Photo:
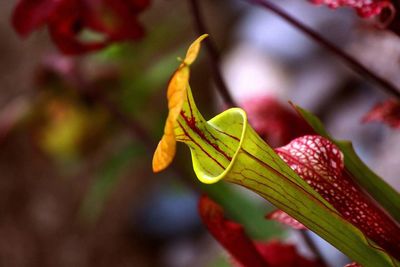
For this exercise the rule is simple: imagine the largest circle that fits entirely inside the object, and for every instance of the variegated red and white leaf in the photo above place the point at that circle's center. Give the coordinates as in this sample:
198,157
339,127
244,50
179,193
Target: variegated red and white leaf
284,218
320,163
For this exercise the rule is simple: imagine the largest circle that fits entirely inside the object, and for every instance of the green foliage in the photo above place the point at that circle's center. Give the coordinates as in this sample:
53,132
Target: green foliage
106,180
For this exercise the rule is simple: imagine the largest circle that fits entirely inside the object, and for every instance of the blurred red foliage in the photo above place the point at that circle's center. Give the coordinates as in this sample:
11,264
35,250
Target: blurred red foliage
387,112
364,8
274,122
232,237
113,20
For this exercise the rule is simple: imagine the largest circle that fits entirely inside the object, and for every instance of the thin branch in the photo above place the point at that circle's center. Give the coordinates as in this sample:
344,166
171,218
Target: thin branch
213,54
348,59
313,247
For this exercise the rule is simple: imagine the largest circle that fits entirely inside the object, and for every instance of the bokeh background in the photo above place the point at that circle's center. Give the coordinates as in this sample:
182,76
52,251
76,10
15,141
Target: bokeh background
76,186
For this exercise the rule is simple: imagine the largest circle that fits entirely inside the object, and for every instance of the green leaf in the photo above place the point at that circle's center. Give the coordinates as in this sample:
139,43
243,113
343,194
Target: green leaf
382,192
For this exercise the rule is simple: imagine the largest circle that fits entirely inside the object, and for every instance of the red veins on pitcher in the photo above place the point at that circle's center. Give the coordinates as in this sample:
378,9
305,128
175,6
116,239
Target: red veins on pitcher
320,163
66,20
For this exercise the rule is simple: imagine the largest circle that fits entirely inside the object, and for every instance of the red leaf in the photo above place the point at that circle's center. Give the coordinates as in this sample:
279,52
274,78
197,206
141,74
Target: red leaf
394,24
138,5
387,11
364,8
65,26
283,255
116,20
387,112
320,163
353,264
29,15
229,234
275,123
245,253
283,217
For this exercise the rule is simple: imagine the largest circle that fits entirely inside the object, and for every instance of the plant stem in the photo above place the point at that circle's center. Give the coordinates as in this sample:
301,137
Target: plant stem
313,247
213,54
348,59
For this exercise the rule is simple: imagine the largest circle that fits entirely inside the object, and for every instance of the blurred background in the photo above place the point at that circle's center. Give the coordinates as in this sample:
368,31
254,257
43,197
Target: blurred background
77,133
